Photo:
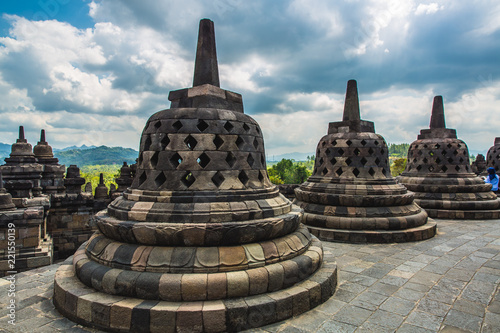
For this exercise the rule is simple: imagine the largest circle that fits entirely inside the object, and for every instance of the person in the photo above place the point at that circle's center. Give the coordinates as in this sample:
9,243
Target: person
492,179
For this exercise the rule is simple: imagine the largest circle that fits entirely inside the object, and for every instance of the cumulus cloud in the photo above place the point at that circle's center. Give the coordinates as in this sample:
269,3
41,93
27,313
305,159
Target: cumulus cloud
289,60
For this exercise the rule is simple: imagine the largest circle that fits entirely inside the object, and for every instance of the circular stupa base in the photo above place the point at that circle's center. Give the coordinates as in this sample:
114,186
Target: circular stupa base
419,233
463,214
90,307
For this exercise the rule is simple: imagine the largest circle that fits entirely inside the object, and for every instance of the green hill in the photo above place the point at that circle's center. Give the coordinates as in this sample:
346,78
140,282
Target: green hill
99,155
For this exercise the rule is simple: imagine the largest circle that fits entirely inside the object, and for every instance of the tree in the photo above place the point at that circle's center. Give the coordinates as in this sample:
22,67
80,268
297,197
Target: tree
288,172
398,166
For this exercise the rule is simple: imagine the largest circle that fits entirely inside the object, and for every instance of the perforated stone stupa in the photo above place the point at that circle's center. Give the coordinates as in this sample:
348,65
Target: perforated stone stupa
351,195
439,173
493,156
201,241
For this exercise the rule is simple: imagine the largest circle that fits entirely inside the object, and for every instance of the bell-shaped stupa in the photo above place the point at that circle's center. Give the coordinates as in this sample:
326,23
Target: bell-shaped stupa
52,181
438,171
493,156
201,240
351,195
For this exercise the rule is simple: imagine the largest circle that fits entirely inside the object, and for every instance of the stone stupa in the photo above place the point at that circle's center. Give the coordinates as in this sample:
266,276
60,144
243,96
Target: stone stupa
52,181
493,156
201,241
351,196
439,173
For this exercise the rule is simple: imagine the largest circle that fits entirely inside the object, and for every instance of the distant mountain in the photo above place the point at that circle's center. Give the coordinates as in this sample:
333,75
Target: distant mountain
97,155
290,156
82,147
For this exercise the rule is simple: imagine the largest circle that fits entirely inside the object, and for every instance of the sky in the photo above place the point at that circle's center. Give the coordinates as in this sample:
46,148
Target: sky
92,72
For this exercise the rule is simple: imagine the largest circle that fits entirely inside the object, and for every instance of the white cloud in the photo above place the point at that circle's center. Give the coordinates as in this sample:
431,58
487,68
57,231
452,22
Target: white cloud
428,9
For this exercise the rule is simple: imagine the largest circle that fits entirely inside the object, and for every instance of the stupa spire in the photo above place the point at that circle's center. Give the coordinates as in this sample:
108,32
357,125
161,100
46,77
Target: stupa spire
21,133
42,136
351,105
206,70
437,116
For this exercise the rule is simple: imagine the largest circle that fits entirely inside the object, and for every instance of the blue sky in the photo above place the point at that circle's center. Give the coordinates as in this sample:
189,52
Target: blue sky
92,72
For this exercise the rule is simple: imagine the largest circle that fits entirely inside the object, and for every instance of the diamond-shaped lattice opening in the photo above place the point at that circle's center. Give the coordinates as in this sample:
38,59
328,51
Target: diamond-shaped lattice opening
438,160
240,142
450,160
261,177
376,143
202,125
218,141
457,168
203,160
370,151
257,129
246,128
160,179
333,160
437,146
426,160
363,142
357,152
243,177
324,172
371,172
341,151
190,142
382,151
459,145
147,143
262,160
377,161
384,171
321,160
327,151
218,179
323,143
164,142
230,159
461,160
355,172
339,171
449,145
431,168
348,142
419,153
142,178
176,159
419,167
154,159
140,158
255,143
363,161
416,146
455,152
250,160
443,152
348,161
444,168
158,124
334,142
228,126
177,125
431,153
188,179
414,160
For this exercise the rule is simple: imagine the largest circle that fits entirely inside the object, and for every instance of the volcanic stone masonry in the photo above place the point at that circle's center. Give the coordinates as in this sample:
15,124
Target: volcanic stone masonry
493,156
201,241
439,173
351,196
32,248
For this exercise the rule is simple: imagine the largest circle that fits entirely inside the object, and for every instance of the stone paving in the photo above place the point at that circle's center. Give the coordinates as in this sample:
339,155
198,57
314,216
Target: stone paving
445,284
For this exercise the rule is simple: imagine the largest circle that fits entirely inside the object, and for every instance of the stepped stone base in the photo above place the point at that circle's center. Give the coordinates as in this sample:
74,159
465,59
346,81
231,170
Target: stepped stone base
463,214
419,233
90,307
29,258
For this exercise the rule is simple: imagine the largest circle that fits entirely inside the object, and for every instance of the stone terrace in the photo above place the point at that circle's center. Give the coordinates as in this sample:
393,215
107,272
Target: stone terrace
448,283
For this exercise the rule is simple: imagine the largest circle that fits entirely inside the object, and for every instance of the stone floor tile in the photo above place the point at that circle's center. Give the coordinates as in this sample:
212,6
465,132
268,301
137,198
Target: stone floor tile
386,319
352,315
491,323
368,327
460,274
397,305
364,280
425,320
384,288
407,328
333,326
469,307
451,329
434,307
463,320
310,320
331,306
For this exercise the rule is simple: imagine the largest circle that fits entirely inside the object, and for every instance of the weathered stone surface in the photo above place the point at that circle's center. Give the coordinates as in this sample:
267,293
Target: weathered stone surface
351,195
439,173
